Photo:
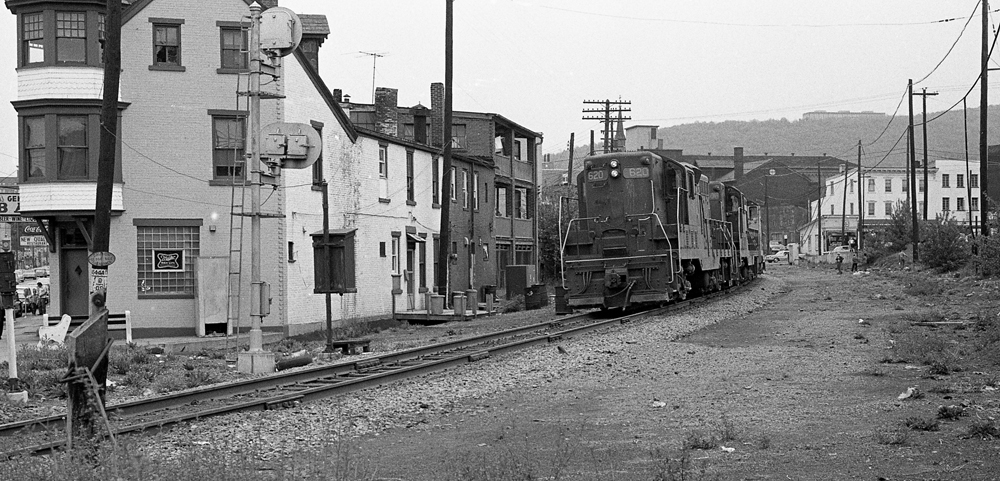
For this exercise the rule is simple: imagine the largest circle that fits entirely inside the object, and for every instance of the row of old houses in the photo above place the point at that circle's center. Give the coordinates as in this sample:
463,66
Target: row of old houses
180,174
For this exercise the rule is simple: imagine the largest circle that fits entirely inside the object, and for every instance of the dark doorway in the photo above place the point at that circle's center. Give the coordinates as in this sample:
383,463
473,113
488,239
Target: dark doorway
74,285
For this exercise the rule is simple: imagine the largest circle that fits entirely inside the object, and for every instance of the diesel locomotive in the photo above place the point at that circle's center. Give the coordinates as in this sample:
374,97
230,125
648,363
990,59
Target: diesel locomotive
651,230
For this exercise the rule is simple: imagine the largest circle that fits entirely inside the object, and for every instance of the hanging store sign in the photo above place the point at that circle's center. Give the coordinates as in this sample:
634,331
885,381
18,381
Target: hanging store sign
33,241
168,260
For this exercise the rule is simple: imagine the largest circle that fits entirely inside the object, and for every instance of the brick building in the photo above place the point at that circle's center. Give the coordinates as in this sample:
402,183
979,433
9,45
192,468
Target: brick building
495,162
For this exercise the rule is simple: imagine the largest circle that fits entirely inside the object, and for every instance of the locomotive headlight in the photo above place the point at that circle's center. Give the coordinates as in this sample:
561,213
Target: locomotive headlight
614,163
614,174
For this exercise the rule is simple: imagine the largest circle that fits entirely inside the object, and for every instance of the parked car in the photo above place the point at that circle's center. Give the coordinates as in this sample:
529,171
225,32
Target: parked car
28,274
20,275
42,271
841,250
779,256
25,301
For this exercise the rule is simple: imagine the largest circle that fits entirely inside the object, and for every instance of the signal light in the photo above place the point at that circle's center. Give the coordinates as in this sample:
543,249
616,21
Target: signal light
614,174
614,163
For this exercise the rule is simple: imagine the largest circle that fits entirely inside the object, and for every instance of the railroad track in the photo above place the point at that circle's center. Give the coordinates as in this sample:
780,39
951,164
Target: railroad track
310,384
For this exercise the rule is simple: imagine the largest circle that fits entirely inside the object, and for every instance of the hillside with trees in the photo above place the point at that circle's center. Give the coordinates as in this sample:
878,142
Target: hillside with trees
834,137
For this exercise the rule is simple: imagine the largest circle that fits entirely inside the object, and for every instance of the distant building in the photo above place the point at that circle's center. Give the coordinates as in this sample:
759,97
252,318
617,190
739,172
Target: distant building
952,191
841,114
642,137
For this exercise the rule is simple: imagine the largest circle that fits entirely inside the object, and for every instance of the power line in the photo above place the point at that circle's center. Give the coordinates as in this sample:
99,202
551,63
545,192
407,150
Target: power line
952,45
761,25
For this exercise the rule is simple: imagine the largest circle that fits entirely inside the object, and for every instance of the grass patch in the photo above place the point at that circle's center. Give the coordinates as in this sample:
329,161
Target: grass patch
984,429
951,413
930,348
893,437
922,424
330,461
699,440
666,468
514,304
873,372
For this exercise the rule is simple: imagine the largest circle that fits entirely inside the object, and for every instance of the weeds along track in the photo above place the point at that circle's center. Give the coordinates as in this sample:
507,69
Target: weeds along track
43,435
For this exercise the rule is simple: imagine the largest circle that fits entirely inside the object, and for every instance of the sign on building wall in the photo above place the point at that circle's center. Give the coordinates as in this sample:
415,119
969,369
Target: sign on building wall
168,260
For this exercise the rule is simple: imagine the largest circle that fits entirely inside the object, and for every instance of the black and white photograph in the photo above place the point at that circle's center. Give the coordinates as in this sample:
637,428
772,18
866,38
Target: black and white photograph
483,240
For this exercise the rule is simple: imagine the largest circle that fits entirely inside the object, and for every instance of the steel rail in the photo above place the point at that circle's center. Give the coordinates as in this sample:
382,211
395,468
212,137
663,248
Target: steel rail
279,380
404,365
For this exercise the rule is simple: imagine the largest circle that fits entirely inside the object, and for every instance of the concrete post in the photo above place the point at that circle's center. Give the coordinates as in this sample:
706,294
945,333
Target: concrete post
14,395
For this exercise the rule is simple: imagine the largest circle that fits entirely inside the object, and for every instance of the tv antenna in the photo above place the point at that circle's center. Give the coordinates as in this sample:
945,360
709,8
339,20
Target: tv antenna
375,56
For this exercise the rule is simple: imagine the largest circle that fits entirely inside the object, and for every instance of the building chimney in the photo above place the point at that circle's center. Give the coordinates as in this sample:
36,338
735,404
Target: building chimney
420,124
437,114
386,112
347,98
738,164
338,95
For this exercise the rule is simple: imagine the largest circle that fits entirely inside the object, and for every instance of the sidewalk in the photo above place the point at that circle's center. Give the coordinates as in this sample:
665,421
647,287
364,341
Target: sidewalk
26,332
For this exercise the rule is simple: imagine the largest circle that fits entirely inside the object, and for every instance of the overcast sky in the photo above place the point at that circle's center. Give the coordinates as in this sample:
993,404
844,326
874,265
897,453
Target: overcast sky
677,61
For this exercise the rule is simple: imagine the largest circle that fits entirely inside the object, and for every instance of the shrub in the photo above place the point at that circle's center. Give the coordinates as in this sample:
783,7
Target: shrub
944,243
514,304
894,437
700,440
987,248
201,377
985,429
918,424
951,413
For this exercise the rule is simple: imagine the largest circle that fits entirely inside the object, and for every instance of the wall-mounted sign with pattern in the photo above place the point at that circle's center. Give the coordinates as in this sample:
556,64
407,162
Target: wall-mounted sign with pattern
168,260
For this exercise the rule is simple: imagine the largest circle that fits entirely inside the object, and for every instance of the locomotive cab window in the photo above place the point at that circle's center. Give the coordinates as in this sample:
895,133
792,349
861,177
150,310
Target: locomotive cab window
670,185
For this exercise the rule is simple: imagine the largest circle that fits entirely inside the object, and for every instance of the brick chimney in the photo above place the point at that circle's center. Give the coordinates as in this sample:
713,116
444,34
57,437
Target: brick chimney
386,112
338,95
437,114
420,124
738,164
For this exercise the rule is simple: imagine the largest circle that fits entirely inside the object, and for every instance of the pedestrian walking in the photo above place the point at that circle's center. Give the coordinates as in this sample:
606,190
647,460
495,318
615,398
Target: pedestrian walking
840,264
854,262
902,259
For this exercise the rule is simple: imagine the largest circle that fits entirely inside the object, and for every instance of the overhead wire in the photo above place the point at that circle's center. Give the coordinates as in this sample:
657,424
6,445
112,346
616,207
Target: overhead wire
960,34
765,25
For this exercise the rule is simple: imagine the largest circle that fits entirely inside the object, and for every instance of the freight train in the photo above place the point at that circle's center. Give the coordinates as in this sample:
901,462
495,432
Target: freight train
650,230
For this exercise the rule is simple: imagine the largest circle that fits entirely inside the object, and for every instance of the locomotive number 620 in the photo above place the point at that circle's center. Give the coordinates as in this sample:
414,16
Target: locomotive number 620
596,176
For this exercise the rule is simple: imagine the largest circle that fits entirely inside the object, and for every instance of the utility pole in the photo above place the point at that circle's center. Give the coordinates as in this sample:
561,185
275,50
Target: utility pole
984,153
444,237
591,142
609,107
819,206
968,174
843,210
924,94
861,213
101,259
375,56
767,207
911,168
569,169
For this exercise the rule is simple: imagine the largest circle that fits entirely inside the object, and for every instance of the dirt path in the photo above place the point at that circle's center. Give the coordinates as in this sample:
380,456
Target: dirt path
792,390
